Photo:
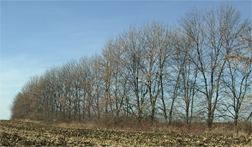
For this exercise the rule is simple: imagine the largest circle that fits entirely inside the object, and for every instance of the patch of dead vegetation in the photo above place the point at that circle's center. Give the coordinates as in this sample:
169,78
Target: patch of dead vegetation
27,132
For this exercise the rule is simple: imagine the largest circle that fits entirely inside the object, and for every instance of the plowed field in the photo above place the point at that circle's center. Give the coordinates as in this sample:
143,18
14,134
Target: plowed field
17,132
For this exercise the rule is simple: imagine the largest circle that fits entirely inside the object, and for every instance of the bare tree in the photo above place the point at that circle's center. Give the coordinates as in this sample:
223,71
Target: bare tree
146,70
98,85
156,51
188,74
238,83
133,63
212,34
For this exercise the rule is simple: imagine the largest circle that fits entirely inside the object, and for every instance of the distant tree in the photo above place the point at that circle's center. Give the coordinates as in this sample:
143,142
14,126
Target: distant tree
186,71
188,74
87,86
211,32
17,108
238,83
26,102
133,63
155,53
98,86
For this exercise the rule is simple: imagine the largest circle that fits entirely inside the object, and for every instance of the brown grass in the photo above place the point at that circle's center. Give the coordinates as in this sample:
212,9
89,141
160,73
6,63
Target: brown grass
30,132
195,128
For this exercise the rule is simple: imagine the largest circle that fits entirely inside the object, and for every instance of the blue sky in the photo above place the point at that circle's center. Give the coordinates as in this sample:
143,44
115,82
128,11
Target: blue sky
36,35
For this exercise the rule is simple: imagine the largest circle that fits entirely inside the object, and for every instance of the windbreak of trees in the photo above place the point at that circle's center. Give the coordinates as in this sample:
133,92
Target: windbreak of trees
197,71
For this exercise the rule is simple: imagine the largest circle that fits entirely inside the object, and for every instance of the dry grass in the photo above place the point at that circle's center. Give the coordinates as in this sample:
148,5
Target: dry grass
195,128
29,132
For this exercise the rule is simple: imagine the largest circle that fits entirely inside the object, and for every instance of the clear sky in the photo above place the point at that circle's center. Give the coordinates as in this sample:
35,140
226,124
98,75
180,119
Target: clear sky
36,35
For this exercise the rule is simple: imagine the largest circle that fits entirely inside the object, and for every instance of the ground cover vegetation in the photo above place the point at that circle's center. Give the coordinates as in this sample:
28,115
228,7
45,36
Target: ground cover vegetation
196,72
38,133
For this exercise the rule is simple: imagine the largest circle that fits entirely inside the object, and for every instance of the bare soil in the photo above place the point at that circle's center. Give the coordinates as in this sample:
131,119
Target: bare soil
19,132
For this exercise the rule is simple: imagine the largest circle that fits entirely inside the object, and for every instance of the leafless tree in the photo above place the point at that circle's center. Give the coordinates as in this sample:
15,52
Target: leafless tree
212,32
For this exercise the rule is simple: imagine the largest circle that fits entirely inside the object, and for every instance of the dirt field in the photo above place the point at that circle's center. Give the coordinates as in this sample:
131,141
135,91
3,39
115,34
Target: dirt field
17,132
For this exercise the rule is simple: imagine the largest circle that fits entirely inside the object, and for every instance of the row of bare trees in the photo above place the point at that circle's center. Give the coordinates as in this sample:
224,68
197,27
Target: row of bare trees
197,71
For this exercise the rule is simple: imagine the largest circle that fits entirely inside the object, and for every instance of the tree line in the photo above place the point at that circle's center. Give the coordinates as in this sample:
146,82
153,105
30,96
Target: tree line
199,70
